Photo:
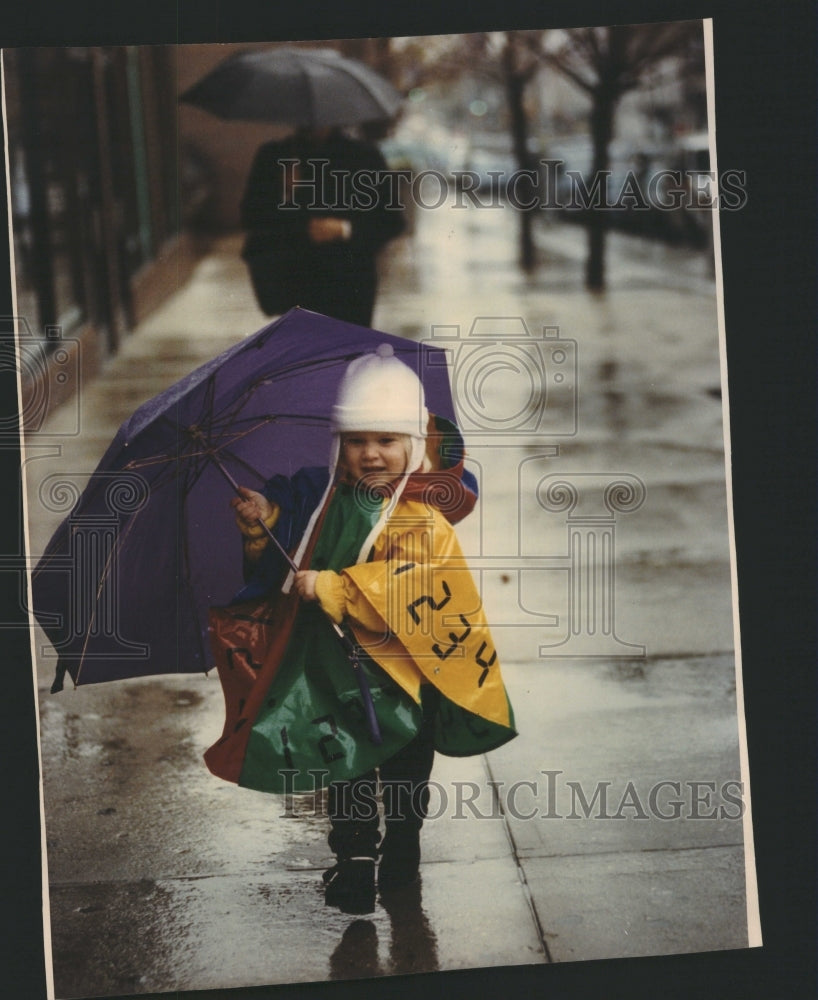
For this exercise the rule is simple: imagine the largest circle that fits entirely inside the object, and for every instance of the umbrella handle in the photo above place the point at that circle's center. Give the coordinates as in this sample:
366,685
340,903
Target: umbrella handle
366,694
259,522
346,642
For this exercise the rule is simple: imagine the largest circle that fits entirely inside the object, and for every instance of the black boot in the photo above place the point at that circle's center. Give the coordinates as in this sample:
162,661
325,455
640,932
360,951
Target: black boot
350,885
400,858
353,838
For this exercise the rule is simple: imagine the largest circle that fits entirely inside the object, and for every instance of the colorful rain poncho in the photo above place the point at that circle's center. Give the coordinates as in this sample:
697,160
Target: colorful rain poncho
294,716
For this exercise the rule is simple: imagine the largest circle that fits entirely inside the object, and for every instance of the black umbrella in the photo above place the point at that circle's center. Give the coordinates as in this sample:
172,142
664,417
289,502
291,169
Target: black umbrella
307,88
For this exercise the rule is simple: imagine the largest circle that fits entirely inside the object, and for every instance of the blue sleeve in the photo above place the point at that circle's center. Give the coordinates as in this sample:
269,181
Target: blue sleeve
296,498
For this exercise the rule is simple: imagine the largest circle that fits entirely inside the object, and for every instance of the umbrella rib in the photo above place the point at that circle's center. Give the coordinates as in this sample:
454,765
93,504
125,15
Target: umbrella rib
226,452
296,369
120,539
153,460
311,110
229,416
343,70
238,89
207,410
300,366
170,460
187,587
296,418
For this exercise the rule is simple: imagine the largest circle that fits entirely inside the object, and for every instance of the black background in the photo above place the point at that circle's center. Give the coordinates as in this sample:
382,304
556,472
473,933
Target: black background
766,126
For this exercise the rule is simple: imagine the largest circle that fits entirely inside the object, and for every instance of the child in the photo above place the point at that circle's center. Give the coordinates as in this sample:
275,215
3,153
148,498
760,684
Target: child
374,533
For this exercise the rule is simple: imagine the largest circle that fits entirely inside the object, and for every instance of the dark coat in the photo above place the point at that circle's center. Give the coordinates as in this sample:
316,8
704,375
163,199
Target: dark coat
338,279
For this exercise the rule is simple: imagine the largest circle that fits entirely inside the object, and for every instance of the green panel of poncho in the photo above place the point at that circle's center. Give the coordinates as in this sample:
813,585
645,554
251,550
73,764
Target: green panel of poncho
311,728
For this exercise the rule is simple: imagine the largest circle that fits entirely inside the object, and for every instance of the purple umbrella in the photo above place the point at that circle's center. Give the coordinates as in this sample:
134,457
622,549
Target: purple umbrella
124,585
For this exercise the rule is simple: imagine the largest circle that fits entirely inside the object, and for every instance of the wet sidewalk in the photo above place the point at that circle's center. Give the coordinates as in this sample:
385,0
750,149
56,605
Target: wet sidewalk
165,878
564,845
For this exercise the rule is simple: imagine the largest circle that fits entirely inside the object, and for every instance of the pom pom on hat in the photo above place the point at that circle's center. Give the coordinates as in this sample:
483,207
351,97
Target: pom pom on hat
380,393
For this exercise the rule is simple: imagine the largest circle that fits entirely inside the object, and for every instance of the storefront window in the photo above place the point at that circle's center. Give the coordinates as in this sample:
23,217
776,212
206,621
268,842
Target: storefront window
48,274
93,184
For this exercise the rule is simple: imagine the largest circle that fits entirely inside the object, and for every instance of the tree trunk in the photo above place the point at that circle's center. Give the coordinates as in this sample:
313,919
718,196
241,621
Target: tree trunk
602,116
515,89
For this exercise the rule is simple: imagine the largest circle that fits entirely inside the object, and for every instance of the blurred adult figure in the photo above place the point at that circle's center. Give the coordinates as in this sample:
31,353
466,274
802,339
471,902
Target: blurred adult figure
317,208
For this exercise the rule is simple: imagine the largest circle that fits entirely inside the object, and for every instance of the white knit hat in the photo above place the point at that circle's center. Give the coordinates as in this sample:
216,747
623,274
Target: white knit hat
380,393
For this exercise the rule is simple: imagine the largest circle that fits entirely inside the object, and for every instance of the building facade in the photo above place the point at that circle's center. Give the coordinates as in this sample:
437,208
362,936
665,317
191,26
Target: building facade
97,211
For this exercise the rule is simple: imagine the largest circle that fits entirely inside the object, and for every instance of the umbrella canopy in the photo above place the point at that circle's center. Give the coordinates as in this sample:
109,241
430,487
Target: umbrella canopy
307,88
124,585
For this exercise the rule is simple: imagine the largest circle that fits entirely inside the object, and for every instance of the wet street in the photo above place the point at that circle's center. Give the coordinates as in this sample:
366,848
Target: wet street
615,824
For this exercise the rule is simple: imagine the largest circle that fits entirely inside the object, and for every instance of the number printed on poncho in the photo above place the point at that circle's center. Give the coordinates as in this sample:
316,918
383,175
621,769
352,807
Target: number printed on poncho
428,599
455,639
322,743
485,664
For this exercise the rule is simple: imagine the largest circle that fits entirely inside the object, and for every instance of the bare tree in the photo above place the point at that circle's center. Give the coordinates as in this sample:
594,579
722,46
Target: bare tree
508,60
519,62
606,63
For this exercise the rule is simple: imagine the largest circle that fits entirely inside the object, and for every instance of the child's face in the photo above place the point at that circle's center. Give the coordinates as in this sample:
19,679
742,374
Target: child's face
375,456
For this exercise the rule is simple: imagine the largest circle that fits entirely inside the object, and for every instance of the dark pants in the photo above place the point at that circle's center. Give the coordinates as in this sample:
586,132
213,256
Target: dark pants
340,286
352,806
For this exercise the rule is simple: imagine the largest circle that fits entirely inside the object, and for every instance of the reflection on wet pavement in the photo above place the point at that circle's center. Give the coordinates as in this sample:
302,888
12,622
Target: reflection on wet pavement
357,953
414,945
412,942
